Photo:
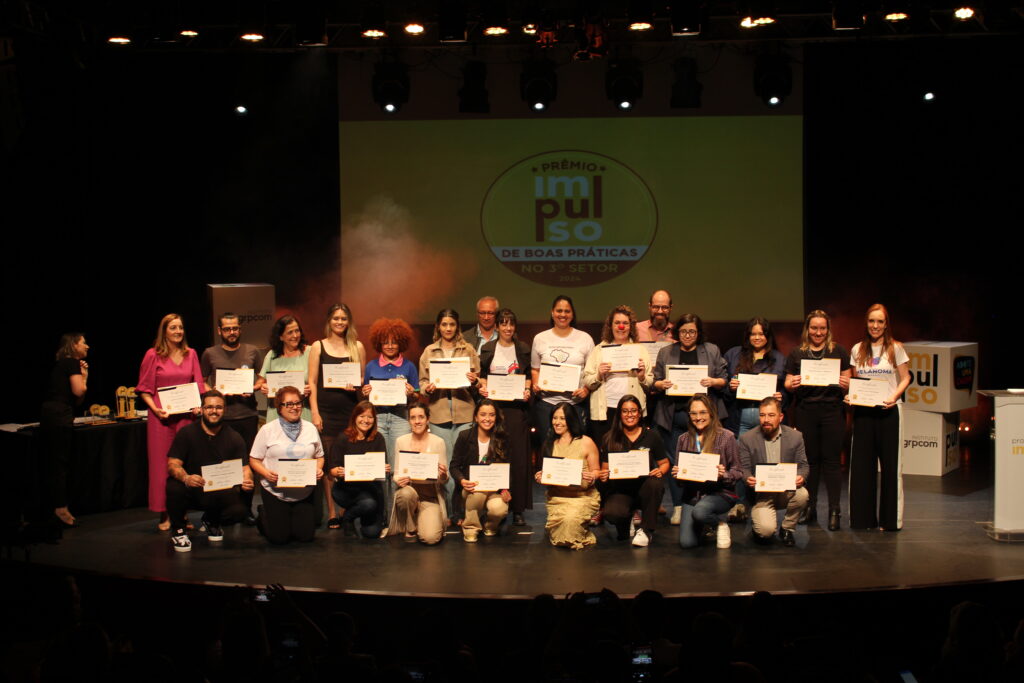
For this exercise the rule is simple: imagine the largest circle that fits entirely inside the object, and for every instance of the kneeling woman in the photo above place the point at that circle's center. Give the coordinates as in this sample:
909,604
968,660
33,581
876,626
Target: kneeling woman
362,500
419,509
287,512
482,444
571,507
706,503
622,496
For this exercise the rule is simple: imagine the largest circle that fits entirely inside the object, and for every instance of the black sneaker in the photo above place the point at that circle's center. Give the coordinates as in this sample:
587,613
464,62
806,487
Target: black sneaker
787,537
213,532
180,541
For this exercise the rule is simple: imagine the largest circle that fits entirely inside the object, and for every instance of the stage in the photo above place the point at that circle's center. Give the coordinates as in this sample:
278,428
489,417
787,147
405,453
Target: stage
943,543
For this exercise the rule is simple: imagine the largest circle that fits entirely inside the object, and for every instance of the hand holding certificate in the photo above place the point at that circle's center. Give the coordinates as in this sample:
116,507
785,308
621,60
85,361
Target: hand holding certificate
489,478
341,375
685,379
868,392
179,399
277,379
222,475
293,474
622,357
506,387
387,392
368,466
698,466
756,387
562,472
775,478
559,377
417,466
234,382
450,373
819,373
628,465
653,347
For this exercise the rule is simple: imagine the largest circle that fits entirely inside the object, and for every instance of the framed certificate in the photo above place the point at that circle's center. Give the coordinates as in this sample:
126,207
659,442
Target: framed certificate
622,357
293,474
756,387
819,373
868,392
340,375
416,466
222,475
450,373
180,398
368,466
506,387
686,379
698,466
234,381
775,478
559,376
629,465
562,472
387,392
277,379
488,478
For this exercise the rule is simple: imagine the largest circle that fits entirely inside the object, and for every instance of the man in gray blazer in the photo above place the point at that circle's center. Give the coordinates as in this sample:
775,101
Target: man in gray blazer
774,443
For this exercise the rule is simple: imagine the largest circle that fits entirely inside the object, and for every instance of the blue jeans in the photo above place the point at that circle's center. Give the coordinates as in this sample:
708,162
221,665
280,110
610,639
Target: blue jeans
449,432
361,504
750,417
391,426
680,423
708,510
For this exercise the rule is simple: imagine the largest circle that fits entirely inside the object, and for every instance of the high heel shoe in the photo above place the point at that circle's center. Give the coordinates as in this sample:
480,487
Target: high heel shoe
810,516
833,520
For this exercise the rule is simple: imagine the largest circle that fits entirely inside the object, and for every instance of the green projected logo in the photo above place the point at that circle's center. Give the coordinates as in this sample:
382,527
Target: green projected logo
569,217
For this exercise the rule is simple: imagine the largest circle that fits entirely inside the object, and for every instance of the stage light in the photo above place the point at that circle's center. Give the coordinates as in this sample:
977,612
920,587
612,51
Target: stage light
390,85
928,96
495,18
119,39
414,28
624,84
531,18
538,84
686,89
773,79
685,18
189,33
964,12
640,15
451,21
758,13
530,29
847,15
374,25
252,36
895,10
241,110
473,98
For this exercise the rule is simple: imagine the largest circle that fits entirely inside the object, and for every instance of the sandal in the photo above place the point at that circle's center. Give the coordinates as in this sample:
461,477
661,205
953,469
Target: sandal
334,523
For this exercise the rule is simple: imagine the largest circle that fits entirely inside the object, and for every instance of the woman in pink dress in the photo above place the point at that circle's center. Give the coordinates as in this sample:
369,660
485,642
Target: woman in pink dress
170,362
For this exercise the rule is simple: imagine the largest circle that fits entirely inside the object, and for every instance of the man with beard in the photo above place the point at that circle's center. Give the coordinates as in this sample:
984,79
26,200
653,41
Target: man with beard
205,442
657,328
774,443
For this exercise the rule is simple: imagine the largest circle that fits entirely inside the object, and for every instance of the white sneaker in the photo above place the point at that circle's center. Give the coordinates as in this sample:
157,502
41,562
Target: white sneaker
180,542
724,535
640,539
677,515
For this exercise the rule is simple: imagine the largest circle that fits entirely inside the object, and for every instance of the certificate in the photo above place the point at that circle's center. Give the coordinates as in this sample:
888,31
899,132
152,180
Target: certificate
180,398
562,472
756,387
775,478
450,373
506,387
653,347
387,392
417,466
686,379
340,375
231,381
868,392
819,373
222,476
698,466
493,477
622,357
296,474
278,379
368,466
559,376
629,465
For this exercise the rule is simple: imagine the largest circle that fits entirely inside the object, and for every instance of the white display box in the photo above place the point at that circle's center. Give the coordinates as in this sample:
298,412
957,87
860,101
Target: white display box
254,303
931,442
943,376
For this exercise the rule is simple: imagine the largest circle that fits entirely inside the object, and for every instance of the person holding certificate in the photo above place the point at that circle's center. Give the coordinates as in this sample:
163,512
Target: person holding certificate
330,403
291,444
485,444
820,414
707,498
289,352
563,343
756,355
628,436
390,338
504,358
672,412
171,362
419,508
362,500
570,508
876,429
616,367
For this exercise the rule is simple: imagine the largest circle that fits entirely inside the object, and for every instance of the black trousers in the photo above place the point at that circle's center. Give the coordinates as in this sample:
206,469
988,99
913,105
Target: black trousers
221,507
55,435
246,428
823,425
622,496
282,521
876,441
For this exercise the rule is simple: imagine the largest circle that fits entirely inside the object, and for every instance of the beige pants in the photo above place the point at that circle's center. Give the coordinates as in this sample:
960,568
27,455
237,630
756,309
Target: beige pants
762,516
483,504
421,516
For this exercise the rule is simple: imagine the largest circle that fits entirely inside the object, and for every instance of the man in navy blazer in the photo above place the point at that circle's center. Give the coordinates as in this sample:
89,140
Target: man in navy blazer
774,443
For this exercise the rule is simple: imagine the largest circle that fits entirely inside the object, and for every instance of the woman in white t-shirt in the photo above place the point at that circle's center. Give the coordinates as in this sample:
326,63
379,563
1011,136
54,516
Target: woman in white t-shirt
876,430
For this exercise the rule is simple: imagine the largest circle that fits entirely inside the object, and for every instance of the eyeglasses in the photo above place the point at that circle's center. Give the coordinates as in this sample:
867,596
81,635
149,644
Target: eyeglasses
655,307
630,411
234,328
701,413
687,333
292,404
487,314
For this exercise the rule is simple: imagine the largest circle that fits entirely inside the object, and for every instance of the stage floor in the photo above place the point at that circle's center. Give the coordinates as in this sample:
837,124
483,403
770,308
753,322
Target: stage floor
943,543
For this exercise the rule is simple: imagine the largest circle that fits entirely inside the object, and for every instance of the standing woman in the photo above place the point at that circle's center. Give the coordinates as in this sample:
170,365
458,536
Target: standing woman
506,355
563,343
672,416
390,337
607,387
331,407
571,507
754,356
289,350
820,415
362,500
484,444
170,362
419,510
69,380
876,430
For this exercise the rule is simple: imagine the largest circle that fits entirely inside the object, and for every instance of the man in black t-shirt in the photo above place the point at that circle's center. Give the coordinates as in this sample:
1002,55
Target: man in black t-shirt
203,443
